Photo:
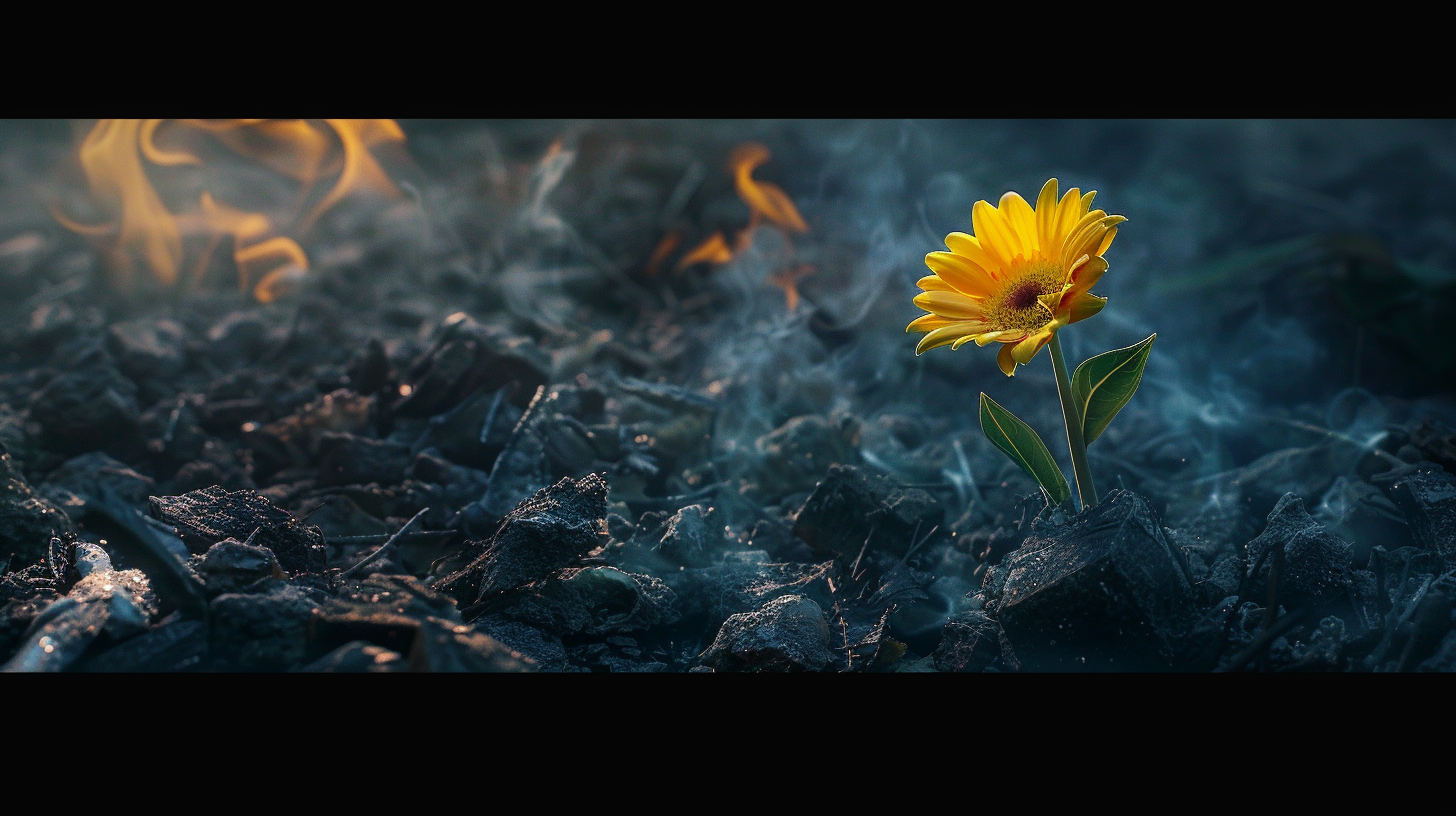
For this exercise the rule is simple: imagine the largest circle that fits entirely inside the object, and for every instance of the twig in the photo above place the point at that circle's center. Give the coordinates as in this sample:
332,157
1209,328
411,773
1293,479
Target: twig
386,546
490,415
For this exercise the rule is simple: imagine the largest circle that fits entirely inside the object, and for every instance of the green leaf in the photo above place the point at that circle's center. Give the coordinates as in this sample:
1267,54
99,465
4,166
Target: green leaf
1103,384
1017,440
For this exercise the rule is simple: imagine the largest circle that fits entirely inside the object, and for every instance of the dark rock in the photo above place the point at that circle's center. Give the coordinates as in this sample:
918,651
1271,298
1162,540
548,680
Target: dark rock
1427,497
471,357
853,510
543,534
742,582
236,338
445,647
178,645
92,476
358,657
595,601
232,566
786,634
148,348
345,459
971,642
1315,564
1436,443
294,439
677,422
81,411
473,432
205,517
797,454
261,631
461,484
617,655
542,647
1306,472
105,604
691,539
27,521
1105,591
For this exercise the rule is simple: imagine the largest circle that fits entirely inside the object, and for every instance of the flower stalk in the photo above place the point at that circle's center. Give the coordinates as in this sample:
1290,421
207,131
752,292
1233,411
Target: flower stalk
1072,416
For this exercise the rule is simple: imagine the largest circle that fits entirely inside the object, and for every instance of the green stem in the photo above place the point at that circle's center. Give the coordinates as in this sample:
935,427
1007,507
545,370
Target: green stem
1086,491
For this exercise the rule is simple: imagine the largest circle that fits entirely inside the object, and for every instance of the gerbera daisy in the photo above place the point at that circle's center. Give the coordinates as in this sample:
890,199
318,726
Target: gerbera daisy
1020,278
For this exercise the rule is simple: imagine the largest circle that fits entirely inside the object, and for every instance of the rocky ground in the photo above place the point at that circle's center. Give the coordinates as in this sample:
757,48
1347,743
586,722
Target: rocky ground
491,434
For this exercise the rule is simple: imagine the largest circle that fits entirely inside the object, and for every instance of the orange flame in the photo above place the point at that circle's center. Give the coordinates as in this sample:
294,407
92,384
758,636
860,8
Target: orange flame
766,202
115,155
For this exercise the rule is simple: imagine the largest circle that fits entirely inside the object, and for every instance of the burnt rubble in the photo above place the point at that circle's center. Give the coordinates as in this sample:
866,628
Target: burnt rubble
490,433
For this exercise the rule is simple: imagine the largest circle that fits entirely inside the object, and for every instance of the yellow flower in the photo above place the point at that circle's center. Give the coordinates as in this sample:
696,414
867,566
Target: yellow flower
1020,278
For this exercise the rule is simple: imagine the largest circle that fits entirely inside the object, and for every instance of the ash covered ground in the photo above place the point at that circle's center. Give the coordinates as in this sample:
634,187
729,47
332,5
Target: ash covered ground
496,428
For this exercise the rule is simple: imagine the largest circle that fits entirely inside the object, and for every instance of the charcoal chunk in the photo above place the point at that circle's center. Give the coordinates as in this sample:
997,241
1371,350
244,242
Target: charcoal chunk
27,521
346,459
261,631
1427,497
1359,512
545,533
1105,591
232,566
797,454
691,539
86,410
446,647
596,601
173,646
1315,563
148,348
205,517
358,656
95,475
787,634
970,642
851,506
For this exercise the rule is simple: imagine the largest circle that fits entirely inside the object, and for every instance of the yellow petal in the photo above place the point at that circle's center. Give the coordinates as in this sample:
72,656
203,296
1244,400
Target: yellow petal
1046,217
962,274
1091,237
950,304
1006,361
934,283
1067,216
928,322
1007,336
1106,241
969,247
1025,350
1085,275
1022,221
995,235
1085,305
946,335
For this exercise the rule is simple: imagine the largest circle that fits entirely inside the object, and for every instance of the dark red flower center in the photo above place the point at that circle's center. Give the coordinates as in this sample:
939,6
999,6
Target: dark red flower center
1023,296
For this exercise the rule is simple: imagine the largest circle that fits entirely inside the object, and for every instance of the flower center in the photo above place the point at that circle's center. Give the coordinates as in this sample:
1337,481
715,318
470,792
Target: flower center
1023,296
1015,307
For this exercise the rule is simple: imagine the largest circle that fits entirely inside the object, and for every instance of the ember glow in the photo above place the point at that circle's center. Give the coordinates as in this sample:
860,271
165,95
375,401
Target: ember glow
118,154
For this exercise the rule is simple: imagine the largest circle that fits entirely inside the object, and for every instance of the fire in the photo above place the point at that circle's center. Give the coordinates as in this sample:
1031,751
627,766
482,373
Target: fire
115,156
767,202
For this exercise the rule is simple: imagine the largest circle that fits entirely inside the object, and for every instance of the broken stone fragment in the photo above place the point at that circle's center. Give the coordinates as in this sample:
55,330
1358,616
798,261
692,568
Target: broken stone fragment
205,517
1103,592
854,510
543,534
787,634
